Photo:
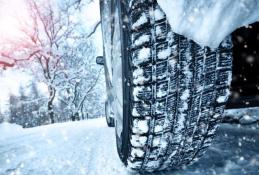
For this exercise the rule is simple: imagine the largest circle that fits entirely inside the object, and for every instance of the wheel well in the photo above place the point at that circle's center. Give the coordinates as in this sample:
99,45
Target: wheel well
245,83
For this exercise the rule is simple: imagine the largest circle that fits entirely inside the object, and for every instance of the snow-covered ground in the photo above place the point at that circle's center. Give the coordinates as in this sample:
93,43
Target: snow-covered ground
245,116
69,148
88,147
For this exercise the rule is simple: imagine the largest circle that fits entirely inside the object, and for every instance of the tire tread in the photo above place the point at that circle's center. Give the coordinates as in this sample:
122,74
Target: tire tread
177,95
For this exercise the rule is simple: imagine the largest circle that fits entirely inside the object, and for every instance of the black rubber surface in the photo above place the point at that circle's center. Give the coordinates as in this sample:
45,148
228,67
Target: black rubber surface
178,92
109,119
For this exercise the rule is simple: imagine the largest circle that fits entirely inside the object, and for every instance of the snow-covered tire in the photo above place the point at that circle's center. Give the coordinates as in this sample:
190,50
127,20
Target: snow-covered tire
109,118
175,91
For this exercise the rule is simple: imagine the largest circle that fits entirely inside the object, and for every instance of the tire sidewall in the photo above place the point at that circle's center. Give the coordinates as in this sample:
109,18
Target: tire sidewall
123,141
107,113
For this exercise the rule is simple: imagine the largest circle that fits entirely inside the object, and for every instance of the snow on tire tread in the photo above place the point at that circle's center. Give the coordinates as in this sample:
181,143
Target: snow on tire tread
179,92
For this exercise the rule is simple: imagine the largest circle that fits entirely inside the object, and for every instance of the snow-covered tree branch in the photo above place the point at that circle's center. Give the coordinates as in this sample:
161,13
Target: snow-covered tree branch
60,51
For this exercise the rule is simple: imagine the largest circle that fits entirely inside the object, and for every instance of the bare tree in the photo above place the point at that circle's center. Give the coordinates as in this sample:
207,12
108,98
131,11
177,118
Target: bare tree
60,52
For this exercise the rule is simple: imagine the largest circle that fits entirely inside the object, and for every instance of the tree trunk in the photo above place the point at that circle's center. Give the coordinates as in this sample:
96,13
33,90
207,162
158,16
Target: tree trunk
75,116
52,93
51,112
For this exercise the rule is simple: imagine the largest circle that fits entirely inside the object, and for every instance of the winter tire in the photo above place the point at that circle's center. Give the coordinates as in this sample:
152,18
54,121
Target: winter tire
174,91
108,113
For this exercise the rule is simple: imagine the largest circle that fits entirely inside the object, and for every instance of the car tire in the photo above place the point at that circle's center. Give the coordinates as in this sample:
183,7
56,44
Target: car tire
109,118
175,91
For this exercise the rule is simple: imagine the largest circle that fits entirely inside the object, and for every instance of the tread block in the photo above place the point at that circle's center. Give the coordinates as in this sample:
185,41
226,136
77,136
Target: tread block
225,60
142,56
140,126
172,103
222,95
211,63
142,76
135,165
161,30
224,77
226,45
164,51
141,109
142,93
173,86
207,99
138,141
162,90
139,18
157,152
210,79
161,70
160,107
159,126
141,39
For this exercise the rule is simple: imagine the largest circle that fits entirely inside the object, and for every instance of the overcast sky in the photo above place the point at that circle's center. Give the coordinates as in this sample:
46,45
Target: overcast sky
10,12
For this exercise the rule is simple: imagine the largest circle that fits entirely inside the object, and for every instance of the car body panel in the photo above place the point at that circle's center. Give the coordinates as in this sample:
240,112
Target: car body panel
113,59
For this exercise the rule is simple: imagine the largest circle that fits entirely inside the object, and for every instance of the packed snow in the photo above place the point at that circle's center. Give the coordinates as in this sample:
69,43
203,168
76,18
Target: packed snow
158,14
142,20
89,148
140,126
9,130
141,40
68,148
138,141
247,116
142,56
164,54
208,22
138,77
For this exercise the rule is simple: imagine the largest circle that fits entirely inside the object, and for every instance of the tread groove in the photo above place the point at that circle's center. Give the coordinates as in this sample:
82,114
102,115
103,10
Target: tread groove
174,94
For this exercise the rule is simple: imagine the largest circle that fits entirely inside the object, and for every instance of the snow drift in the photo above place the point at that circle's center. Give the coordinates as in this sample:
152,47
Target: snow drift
89,148
208,22
8,130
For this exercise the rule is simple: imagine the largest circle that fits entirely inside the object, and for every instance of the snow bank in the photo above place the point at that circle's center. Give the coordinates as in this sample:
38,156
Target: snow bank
8,130
243,116
208,22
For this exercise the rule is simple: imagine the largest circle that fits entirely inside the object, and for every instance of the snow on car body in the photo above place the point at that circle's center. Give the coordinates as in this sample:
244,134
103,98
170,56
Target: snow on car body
208,22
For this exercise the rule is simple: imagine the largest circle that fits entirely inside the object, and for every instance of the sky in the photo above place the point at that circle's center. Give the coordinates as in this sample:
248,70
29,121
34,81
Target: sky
91,16
9,28
10,11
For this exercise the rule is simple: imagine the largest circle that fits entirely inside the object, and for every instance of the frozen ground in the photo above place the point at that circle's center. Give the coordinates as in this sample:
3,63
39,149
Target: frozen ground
89,148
